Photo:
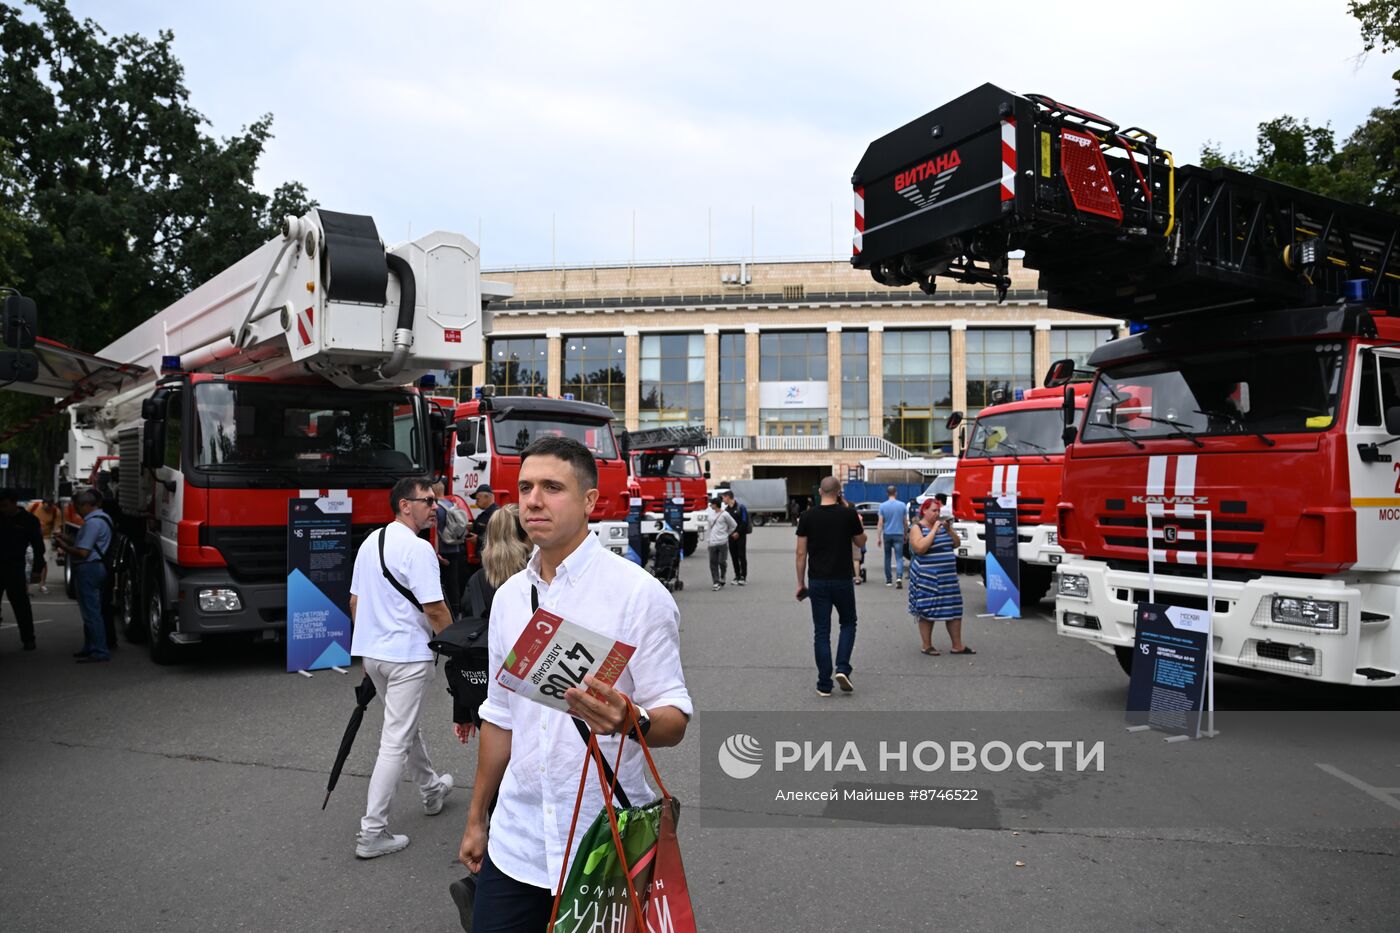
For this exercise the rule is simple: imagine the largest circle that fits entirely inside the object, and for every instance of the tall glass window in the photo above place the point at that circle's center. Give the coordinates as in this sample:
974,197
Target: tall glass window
793,356
595,370
997,360
1076,343
917,373
673,380
855,382
733,384
519,365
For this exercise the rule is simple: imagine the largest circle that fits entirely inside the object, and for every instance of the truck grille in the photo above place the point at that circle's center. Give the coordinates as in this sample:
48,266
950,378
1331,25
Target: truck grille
256,555
1232,536
1028,511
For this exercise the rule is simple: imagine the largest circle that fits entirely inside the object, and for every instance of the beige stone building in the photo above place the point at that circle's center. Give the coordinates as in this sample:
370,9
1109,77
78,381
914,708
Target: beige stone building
796,369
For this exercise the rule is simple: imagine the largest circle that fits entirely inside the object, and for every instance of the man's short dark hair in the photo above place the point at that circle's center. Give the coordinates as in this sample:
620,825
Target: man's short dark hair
891,491
942,498
727,494
88,496
830,486
571,452
410,487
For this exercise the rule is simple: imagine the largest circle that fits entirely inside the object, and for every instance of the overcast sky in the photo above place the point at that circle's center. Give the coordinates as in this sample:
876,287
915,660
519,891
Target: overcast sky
723,128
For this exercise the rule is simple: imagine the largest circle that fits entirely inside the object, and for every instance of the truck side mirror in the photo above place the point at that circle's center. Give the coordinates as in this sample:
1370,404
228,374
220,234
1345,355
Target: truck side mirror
1059,373
437,431
16,366
707,469
21,319
954,420
153,444
1067,409
1392,420
466,437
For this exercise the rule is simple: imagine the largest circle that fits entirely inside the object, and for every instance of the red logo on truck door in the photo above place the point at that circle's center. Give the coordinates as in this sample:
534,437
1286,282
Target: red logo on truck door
944,163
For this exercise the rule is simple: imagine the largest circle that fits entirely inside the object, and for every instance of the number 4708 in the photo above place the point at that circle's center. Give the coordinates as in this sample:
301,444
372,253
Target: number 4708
565,677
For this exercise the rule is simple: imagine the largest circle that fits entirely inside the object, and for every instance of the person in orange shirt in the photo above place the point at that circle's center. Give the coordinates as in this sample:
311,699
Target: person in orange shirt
50,521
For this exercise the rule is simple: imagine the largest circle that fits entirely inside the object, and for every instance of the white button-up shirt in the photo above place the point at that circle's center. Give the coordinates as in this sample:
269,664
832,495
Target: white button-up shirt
613,596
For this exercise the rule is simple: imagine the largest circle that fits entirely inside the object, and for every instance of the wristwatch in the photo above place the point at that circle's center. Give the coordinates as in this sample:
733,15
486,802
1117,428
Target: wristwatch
643,720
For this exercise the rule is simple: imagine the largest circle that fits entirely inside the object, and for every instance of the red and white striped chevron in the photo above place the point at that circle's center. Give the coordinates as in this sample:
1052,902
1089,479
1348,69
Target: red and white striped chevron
1008,160
856,241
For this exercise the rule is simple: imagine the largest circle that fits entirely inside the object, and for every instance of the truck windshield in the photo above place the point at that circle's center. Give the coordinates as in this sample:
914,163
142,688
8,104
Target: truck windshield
513,434
672,465
1018,434
299,428
1280,389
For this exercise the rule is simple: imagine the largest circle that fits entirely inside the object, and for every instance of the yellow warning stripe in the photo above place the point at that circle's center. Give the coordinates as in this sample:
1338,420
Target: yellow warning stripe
1375,503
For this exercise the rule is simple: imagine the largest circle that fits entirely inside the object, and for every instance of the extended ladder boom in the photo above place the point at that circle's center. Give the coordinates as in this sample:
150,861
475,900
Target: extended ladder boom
666,438
1112,224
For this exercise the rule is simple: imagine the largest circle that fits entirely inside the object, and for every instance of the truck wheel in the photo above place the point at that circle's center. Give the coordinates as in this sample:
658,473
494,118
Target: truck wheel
759,520
1124,655
1035,584
690,540
128,601
159,625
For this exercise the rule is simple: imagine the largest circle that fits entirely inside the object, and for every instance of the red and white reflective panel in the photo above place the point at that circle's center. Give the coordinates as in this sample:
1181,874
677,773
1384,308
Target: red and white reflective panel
1008,160
306,326
1172,477
856,241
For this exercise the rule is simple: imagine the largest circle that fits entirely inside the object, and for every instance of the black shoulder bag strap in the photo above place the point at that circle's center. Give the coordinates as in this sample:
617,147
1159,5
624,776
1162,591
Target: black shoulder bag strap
404,591
582,727
111,533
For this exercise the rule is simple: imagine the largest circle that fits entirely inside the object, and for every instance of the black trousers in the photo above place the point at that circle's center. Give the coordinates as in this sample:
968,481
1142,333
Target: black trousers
453,581
739,555
16,588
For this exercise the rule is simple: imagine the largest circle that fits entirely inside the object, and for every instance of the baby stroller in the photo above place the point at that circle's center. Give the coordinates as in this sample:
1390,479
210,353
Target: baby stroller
666,559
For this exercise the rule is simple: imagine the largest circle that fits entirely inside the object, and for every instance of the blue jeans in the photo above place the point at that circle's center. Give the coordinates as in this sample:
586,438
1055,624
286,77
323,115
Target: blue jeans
504,905
825,594
894,544
91,575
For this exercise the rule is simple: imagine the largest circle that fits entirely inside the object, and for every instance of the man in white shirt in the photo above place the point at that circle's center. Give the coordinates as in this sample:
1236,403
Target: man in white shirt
396,605
530,755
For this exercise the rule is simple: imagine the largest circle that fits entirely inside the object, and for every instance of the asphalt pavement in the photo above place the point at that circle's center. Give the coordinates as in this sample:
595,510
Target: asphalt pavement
138,797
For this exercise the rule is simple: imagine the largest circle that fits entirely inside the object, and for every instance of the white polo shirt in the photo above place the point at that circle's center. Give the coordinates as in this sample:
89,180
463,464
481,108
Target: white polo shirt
609,594
387,627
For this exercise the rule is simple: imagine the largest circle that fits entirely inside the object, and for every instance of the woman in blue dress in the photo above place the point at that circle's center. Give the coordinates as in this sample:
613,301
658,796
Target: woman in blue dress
934,595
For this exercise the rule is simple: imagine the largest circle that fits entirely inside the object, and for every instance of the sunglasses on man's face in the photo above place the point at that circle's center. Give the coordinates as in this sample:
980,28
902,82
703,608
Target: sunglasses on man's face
431,500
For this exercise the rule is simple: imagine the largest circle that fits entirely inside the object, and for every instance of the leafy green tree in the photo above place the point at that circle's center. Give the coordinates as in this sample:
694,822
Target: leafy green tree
114,198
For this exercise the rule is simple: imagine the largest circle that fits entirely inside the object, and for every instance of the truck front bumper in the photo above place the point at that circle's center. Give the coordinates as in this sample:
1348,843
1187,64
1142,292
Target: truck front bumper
263,605
1362,649
1036,544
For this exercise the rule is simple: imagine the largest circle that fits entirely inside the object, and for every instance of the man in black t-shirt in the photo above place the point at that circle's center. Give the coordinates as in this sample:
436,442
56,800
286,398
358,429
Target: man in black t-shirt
825,536
485,508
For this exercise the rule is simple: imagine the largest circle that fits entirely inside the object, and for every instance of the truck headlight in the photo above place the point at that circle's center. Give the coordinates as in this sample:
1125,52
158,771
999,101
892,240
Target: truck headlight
220,599
1073,584
1309,613
617,532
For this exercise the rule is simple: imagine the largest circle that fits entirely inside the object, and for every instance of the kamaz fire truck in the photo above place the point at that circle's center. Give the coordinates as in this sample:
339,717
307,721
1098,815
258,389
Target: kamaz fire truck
285,375
1236,455
491,431
1016,448
665,467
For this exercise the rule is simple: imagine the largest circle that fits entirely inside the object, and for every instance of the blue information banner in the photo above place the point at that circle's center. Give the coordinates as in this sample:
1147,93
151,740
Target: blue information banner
1003,566
1169,668
319,562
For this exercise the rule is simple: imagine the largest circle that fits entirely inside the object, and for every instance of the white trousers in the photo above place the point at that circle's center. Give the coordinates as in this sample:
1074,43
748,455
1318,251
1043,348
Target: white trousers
401,686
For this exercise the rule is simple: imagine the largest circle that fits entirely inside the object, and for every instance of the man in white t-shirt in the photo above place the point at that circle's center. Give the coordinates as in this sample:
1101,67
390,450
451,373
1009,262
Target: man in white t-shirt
394,619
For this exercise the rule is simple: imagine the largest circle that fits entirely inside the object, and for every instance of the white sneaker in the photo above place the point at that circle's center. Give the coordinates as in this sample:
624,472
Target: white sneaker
741,583
844,682
383,844
44,589
715,587
434,799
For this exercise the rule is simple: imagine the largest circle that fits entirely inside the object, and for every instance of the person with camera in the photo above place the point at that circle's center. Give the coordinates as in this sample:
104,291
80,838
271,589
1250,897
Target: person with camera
934,594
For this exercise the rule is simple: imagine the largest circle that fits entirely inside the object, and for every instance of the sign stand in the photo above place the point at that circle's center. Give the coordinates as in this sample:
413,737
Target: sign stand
1152,552
319,562
1002,565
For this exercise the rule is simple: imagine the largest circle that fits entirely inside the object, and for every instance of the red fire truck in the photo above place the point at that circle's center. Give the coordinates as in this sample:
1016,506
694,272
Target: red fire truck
665,467
1016,448
284,375
1235,454
491,431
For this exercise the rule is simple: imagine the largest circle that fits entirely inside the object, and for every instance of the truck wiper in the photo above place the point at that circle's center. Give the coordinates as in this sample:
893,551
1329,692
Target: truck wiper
1238,422
1034,446
1129,435
1175,427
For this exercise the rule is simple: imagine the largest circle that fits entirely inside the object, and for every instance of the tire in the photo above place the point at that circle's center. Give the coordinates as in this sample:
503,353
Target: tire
759,520
690,540
1125,658
1035,584
127,596
159,624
